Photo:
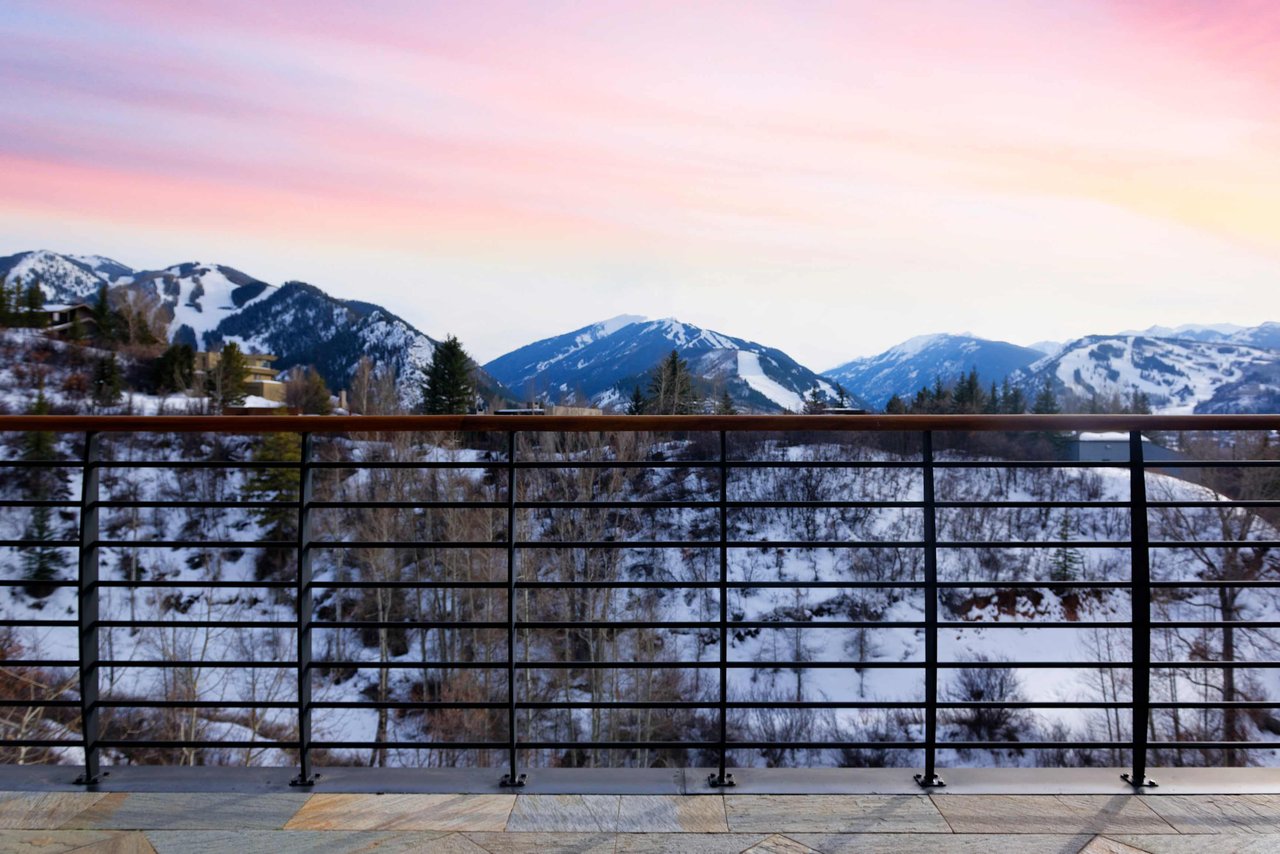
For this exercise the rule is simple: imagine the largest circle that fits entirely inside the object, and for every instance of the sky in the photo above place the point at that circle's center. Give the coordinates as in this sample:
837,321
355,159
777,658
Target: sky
829,178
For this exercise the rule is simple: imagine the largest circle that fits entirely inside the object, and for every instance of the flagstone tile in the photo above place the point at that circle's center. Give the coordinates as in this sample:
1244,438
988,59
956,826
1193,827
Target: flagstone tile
834,814
565,813
682,843
1016,814
43,810
672,814
310,842
403,812
543,843
1218,813
62,841
1220,843
967,843
189,811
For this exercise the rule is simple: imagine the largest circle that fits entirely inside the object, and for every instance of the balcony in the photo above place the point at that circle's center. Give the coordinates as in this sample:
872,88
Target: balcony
810,631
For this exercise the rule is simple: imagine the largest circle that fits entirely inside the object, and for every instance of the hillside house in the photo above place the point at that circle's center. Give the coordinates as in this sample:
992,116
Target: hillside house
261,381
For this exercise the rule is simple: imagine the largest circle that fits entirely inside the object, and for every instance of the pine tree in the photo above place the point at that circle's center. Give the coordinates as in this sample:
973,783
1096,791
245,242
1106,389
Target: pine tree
175,369
1066,563
842,396
34,304
102,315
637,404
108,382
815,403
279,488
724,406
895,406
229,377
6,318
305,390
448,387
1046,401
671,388
41,563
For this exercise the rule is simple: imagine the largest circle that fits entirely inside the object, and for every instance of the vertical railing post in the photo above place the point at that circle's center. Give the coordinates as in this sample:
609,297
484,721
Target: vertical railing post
513,777
306,604
930,779
1140,604
87,591
721,779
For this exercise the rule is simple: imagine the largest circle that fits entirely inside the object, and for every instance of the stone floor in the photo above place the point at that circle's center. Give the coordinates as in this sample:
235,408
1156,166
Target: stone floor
284,823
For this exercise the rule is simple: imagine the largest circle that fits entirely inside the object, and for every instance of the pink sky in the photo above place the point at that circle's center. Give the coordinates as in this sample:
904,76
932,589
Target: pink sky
828,178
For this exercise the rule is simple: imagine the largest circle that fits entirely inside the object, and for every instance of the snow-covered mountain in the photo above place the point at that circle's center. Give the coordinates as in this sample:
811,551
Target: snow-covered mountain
603,362
1177,375
211,304
917,362
64,278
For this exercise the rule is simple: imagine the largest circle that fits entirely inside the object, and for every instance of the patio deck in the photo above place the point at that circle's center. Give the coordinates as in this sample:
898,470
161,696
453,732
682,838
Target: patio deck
215,810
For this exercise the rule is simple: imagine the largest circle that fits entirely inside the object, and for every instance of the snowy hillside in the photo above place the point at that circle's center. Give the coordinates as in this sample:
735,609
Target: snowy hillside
906,368
212,304
64,279
603,362
807,592
1176,375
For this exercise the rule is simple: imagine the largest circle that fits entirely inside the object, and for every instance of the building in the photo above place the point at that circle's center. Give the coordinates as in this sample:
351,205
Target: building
261,381
59,319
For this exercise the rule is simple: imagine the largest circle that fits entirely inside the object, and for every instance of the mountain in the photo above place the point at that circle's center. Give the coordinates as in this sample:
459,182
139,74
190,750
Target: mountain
918,361
1177,375
210,304
64,279
601,364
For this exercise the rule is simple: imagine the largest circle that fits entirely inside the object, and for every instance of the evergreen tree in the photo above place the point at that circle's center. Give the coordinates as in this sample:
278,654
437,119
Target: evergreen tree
305,390
229,377
895,406
637,404
992,405
42,562
34,304
1066,563
102,315
448,387
108,381
815,403
671,387
842,396
1046,402
279,488
175,369
724,406
6,318
1012,400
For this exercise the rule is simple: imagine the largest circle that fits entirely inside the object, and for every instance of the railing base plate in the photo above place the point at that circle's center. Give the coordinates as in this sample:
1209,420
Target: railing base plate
518,783
717,781
1147,782
931,782
301,782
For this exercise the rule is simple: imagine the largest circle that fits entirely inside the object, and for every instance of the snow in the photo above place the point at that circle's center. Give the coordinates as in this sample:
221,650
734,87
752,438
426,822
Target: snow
752,373
204,312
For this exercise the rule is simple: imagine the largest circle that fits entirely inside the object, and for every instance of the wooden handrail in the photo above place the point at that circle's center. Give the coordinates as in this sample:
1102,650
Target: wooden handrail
625,423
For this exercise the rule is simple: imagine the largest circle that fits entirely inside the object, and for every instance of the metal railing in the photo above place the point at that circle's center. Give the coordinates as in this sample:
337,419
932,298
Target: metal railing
504,467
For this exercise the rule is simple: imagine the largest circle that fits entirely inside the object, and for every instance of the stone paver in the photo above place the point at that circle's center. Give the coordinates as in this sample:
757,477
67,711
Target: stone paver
565,813
1215,844
672,813
191,811
1010,814
42,810
1219,813
545,843
681,843
85,841
778,844
309,842
1106,845
403,812
834,814
973,843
